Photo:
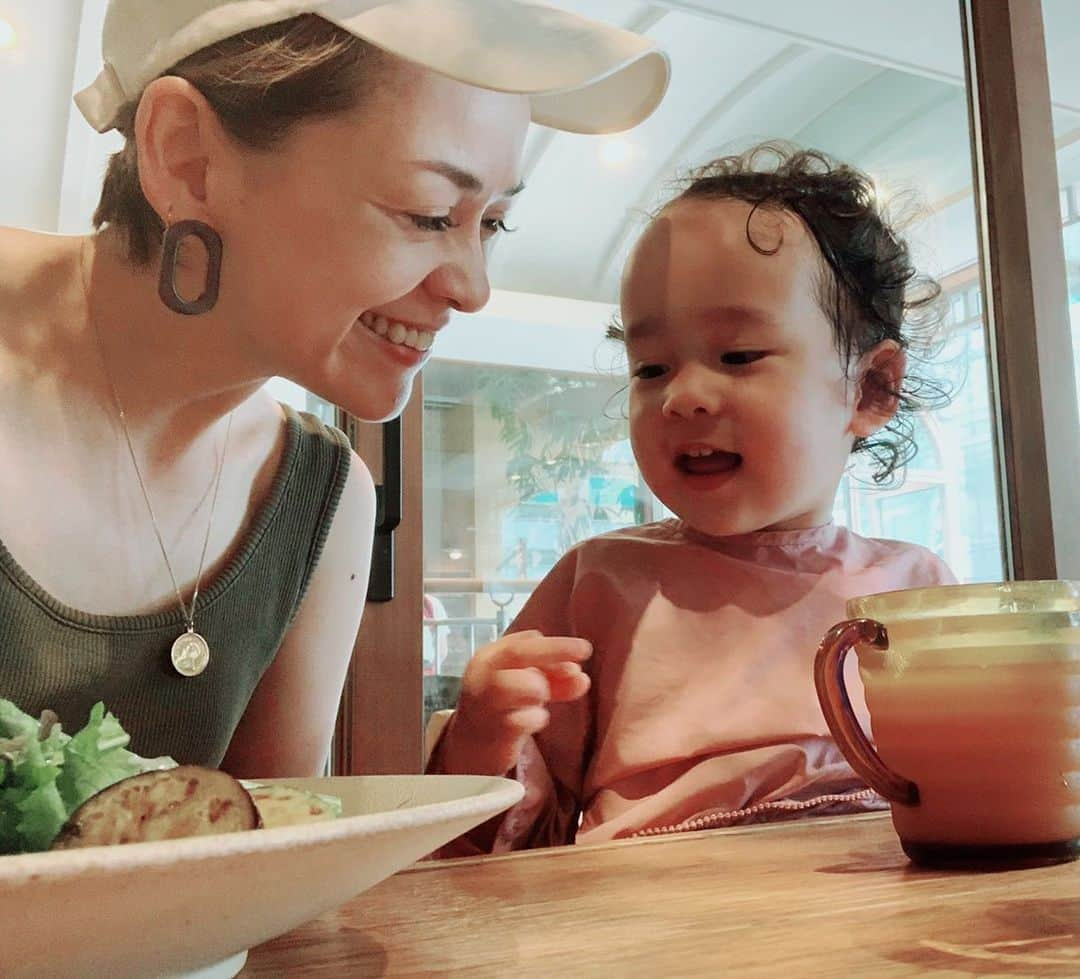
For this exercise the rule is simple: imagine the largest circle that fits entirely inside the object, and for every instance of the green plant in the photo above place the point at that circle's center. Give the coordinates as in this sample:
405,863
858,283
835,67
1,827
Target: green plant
555,426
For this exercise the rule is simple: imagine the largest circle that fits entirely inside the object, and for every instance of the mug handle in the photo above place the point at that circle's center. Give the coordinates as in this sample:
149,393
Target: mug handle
836,706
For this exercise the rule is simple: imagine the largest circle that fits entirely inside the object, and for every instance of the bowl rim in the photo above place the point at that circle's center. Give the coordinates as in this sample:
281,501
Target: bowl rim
494,794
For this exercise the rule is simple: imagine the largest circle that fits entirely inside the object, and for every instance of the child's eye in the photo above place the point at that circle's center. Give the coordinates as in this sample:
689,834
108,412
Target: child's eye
646,372
492,226
741,357
433,222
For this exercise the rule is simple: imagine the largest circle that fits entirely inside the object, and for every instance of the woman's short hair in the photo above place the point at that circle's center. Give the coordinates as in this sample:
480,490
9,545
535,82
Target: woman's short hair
260,83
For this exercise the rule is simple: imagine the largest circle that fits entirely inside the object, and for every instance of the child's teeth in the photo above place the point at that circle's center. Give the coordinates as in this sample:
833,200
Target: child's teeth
424,341
397,333
380,326
410,338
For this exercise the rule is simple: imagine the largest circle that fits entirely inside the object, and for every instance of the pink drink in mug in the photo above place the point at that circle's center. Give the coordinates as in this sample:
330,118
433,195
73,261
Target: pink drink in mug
974,700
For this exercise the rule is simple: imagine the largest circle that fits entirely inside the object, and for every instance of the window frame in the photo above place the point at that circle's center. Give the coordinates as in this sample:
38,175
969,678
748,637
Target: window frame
1022,265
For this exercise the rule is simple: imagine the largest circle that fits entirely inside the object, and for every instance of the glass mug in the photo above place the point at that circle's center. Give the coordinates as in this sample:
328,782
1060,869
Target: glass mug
974,700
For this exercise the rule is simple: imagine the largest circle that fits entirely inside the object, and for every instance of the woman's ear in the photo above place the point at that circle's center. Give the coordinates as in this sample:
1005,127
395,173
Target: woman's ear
881,372
178,135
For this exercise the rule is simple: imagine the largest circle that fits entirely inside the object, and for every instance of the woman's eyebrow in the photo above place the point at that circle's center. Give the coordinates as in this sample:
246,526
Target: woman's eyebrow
460,178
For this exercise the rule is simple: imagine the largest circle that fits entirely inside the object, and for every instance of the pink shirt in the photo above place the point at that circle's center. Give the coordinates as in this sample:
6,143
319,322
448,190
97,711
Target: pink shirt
702,710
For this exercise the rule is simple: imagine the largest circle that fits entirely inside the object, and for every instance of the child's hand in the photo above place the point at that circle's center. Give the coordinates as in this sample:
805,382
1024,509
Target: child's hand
504,696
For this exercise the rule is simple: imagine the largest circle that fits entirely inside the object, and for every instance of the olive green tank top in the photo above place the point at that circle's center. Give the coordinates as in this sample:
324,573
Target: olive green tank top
56,657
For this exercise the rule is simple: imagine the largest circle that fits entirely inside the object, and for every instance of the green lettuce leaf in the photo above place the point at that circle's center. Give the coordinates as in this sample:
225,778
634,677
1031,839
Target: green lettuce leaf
45,775
95,758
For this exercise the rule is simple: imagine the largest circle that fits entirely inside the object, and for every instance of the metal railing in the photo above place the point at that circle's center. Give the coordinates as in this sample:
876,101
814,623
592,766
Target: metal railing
501,593
457,622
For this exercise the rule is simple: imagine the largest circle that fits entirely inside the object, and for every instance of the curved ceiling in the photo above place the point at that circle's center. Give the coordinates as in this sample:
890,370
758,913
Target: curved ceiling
876,83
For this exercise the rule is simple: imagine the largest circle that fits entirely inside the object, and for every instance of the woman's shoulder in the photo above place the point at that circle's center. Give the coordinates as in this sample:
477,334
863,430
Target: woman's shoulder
324,448
311,427
20,246
39,299
34,264
39,288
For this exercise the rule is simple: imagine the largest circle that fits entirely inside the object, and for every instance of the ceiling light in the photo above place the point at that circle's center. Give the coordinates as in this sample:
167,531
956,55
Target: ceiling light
8,37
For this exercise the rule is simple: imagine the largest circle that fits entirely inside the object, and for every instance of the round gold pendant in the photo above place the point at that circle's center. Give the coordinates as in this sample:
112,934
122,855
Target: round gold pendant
190,654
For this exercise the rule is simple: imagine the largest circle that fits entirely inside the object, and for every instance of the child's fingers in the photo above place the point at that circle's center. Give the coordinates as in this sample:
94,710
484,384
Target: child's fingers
511,689
516,652
524,688
507,689
528,720
569,685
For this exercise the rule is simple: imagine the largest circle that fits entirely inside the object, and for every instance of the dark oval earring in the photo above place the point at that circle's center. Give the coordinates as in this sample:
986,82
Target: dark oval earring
170,250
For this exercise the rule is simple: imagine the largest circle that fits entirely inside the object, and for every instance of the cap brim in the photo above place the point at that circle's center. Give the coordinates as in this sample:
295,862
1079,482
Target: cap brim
581,75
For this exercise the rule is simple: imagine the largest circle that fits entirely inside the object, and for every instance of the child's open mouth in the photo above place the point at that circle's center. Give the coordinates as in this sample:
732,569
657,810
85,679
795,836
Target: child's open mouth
707,462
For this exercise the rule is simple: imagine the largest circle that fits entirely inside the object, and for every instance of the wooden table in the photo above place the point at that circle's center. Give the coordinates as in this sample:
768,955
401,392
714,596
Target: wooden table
825,897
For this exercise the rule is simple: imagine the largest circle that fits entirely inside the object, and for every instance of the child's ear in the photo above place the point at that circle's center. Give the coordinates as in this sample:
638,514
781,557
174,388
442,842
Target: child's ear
881,372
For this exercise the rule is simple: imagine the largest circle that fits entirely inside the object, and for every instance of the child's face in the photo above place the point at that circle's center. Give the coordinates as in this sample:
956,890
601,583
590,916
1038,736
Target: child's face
741,416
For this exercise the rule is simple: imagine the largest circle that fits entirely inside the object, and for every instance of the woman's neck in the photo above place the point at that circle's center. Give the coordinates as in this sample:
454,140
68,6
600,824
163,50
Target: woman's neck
175,376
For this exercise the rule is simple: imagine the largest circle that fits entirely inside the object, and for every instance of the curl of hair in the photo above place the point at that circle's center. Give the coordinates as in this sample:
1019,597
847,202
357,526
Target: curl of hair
869,288
260,83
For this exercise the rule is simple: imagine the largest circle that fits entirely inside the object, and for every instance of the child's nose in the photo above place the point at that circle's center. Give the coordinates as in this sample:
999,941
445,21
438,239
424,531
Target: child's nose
692,391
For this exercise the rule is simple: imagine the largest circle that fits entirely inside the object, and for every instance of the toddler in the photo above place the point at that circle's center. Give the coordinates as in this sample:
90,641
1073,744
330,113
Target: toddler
660,678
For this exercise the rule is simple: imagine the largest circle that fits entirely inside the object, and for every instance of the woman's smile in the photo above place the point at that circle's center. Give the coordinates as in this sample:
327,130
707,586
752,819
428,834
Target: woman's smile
405,345
398,333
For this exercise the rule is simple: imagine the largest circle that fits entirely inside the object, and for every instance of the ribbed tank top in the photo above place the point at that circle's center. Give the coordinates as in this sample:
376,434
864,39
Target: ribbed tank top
56,657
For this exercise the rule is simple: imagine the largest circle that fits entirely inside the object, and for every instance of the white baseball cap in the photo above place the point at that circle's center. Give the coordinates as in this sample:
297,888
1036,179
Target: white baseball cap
581,75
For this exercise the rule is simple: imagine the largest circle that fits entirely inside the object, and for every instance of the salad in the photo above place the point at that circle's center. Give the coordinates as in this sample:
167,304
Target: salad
59,791
46,774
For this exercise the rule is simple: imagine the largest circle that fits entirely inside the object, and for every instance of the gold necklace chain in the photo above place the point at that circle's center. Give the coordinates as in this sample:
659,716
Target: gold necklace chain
190,652
189,614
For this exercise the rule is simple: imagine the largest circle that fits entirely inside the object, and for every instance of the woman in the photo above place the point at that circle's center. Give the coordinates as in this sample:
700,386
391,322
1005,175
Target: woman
174,542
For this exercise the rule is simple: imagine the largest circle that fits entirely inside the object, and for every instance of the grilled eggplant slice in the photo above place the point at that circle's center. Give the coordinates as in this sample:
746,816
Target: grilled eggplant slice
161,805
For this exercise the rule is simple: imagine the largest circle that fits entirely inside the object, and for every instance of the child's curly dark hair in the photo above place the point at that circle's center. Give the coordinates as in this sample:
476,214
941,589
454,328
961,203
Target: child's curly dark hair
870,290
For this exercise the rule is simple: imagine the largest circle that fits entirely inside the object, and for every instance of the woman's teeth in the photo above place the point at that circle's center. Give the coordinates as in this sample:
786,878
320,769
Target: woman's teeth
403,336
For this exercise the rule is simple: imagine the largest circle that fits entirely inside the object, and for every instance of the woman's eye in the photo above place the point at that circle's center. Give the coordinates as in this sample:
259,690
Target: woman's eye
432,222
492,226
646,372
740,357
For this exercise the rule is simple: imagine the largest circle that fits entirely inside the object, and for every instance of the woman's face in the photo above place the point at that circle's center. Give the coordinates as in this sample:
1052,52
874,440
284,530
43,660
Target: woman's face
347,246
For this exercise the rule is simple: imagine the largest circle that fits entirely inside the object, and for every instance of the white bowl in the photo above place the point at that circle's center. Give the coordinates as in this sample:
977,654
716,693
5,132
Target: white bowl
180,906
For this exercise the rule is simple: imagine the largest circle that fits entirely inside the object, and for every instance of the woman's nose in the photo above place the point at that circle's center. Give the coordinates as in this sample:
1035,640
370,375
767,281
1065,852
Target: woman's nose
692,391
461,281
